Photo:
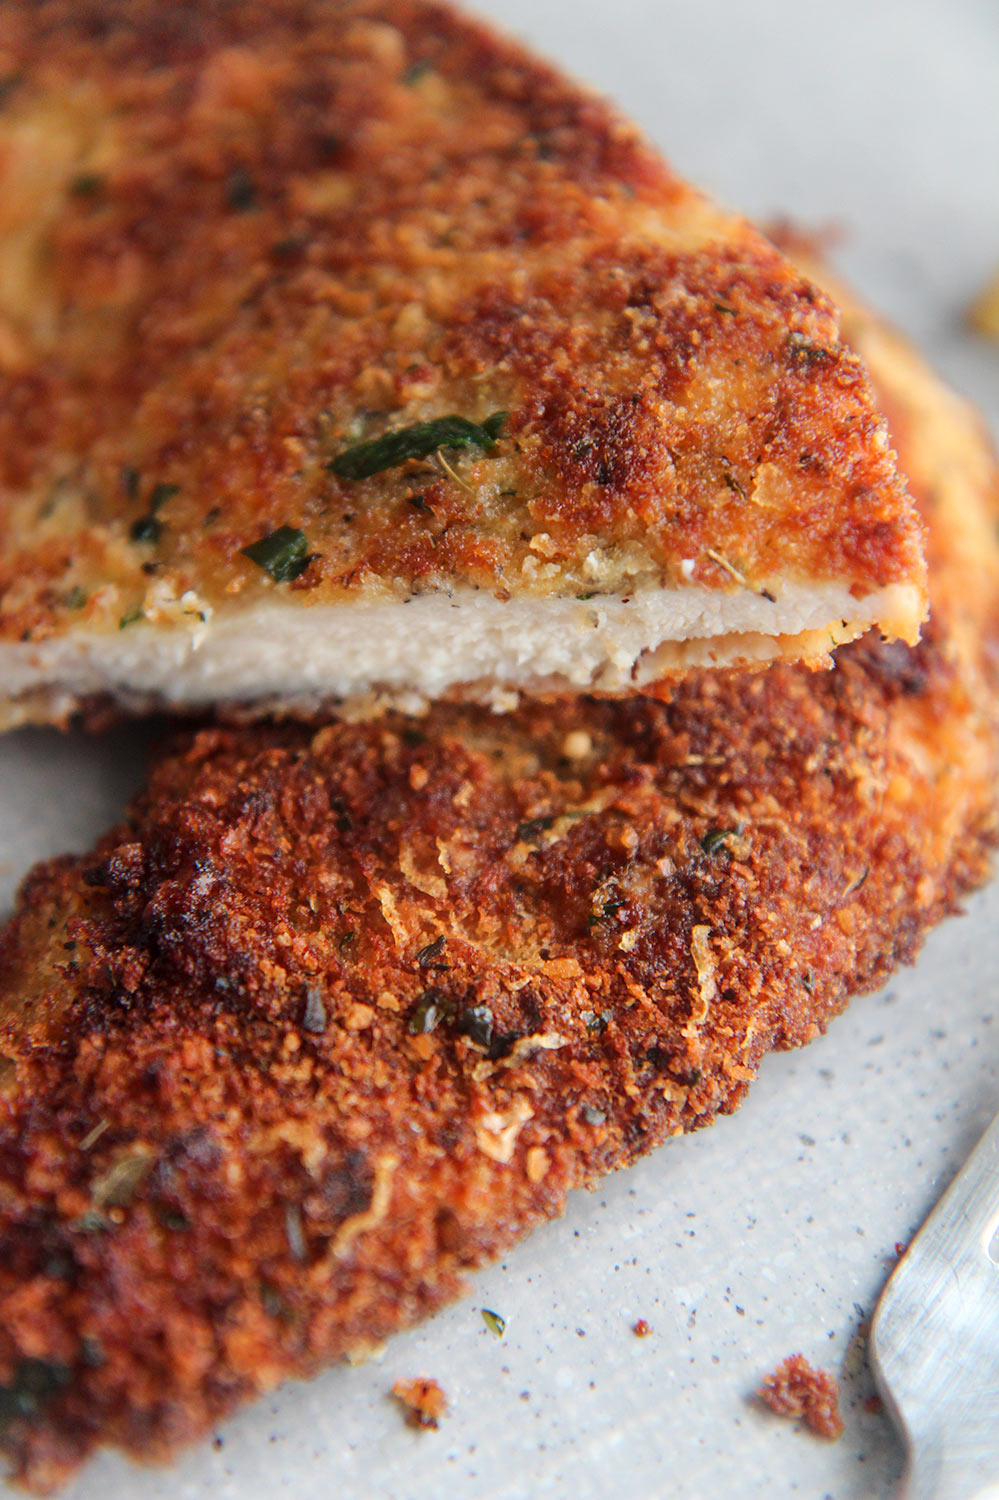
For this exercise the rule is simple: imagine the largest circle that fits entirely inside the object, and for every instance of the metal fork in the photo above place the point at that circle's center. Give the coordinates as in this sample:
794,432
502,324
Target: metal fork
934,1344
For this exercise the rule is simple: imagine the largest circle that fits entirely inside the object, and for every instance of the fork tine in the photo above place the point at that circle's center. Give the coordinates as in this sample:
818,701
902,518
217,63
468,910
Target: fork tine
935,1340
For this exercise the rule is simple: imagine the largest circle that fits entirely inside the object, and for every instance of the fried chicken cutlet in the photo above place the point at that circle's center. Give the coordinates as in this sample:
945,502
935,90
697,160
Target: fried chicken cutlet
340,1013
349,352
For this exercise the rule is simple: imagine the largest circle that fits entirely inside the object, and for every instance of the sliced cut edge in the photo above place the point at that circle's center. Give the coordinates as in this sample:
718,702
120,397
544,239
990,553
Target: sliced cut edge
278,655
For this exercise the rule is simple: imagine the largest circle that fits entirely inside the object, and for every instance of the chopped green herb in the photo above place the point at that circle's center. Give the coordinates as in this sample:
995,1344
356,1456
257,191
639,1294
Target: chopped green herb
35,1383
595,1021
116,1187
416,71
808,981
161,493
476,1022
734,484
87,185
431,1009
240,191
146,529
130,481
130,616
283,554
494,1322
418,441
607,910
717,838
723,307
533,828
855,885
76,598
804,352
91,1221
694,1077
426,956
346,940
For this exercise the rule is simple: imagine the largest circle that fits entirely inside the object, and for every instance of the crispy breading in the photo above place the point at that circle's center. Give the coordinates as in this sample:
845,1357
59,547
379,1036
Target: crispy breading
237,239
339,1013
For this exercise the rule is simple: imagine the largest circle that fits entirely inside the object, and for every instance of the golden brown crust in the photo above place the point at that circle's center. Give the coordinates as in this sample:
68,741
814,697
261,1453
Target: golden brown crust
255,232
338,1014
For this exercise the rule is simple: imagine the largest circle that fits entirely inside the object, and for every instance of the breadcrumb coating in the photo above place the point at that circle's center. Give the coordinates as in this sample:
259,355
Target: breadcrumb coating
340,1012
236,240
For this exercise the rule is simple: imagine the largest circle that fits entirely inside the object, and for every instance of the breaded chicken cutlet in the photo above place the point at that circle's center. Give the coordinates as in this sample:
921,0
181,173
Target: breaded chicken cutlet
337,1014
348,352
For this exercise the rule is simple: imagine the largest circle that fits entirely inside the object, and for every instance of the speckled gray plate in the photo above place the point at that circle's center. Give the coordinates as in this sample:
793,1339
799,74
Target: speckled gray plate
774,1231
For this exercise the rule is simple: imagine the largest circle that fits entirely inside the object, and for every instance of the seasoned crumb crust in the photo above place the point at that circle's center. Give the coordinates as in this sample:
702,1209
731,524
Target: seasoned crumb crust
340,1012
235,239
351,1010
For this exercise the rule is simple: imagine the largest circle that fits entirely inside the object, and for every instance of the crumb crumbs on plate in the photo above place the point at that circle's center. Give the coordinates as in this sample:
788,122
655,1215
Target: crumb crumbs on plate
797,1389
423,1399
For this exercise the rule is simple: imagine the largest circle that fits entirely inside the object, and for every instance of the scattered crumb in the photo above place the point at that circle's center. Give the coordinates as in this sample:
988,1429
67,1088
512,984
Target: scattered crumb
641,1329
874,1405
795,1389
900,1248
983,314
424,1400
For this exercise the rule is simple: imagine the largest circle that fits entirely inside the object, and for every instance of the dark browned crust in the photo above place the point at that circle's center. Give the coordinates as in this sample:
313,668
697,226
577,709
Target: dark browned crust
797,1389
268,220
232,980
339,1013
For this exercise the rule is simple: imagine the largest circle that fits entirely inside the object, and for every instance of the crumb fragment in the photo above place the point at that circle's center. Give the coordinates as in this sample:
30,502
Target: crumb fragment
983,315
641,1329
424,1400
796,1389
